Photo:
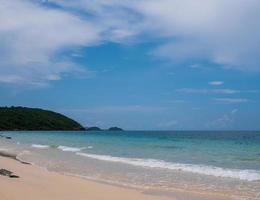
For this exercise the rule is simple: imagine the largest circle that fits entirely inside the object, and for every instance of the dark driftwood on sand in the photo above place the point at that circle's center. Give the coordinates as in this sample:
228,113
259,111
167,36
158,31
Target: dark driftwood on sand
5,172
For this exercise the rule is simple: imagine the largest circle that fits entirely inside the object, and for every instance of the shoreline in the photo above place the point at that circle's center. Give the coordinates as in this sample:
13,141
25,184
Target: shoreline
36,183
61,158
60,186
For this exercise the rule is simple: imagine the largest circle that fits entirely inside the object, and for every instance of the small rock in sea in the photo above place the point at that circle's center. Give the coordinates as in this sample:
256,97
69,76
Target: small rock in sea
6,137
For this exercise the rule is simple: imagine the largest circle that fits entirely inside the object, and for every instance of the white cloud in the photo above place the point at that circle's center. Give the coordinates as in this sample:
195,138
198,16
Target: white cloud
225,121
118,109
234,111
168,124
207,29
179,101
231,100
216,83
221,31
195,66
31,34
213,91
208,91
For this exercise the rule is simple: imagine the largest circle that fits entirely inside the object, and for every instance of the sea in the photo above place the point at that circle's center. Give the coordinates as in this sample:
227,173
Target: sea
220,162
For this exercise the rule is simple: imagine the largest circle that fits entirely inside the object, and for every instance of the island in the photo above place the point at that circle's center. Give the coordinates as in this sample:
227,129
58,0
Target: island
115,129
23,119
93,128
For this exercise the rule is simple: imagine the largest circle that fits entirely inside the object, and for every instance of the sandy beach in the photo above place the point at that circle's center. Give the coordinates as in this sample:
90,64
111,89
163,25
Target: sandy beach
37,183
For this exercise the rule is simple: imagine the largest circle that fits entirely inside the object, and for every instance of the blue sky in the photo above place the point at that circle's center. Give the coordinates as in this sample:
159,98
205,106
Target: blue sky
135,64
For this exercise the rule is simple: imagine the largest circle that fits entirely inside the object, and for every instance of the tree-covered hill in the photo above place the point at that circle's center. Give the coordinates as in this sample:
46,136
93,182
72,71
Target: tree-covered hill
22,118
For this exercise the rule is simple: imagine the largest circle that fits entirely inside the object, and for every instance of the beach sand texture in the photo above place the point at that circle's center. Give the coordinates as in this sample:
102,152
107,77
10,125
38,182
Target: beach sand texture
36,183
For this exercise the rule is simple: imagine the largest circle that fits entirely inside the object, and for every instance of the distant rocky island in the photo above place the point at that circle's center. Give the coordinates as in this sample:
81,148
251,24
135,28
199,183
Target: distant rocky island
22,118
95,128
33,119
115,129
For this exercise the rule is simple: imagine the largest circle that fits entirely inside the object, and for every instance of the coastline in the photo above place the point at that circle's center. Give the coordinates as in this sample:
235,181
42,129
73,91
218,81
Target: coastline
37,183
65,159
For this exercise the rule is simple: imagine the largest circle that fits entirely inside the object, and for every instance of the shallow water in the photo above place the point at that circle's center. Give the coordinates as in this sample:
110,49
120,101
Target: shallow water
202,161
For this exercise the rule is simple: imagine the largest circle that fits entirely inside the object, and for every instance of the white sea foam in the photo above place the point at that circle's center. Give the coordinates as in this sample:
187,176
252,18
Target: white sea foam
71,149
90,147
40,146
248,175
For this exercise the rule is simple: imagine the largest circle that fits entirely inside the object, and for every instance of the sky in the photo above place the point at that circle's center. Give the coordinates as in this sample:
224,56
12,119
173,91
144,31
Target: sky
136,64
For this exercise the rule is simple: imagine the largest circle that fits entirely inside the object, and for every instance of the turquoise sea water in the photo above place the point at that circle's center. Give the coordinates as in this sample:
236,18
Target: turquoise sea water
206,160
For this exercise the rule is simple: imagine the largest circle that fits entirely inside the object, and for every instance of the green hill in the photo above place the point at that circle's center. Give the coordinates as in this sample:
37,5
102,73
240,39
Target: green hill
22,118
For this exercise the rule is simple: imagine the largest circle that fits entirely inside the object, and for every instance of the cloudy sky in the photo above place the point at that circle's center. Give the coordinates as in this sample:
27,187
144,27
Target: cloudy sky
137,64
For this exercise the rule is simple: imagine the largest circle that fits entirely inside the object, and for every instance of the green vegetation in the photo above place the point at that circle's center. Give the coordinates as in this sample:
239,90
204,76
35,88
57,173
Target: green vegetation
21,118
